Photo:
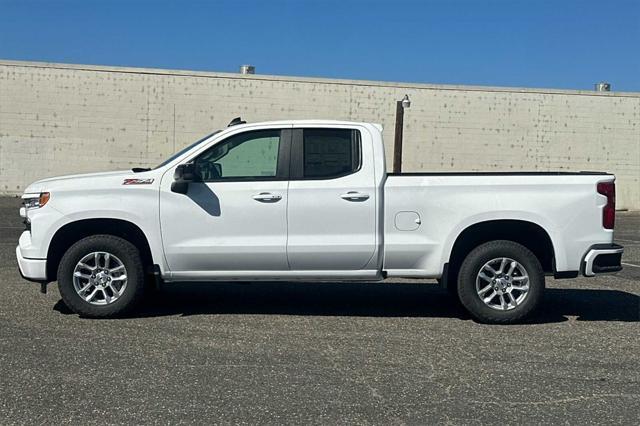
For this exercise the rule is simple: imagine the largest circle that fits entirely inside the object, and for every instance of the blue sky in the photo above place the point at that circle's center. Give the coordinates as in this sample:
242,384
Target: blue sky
536,43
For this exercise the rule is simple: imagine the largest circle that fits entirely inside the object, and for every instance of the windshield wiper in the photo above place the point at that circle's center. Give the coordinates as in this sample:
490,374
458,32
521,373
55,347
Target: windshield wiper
140,169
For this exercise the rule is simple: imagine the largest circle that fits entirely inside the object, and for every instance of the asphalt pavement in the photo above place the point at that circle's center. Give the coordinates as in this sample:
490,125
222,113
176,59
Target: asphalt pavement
272,353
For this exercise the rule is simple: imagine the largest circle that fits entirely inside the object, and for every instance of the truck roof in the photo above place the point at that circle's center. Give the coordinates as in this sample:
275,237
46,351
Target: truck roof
307,122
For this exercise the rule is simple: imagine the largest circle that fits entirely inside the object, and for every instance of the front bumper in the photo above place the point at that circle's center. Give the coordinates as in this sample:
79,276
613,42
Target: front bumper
32,269
602,258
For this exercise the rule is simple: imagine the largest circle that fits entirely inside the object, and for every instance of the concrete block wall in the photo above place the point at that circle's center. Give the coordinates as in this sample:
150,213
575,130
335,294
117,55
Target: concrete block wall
59,119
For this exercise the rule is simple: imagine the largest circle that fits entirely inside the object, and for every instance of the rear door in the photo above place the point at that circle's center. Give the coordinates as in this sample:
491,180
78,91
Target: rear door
331,210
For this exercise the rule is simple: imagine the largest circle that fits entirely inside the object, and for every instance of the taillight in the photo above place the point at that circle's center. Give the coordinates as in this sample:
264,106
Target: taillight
608,189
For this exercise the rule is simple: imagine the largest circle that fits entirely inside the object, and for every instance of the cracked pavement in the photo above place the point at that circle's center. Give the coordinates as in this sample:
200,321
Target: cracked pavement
397,352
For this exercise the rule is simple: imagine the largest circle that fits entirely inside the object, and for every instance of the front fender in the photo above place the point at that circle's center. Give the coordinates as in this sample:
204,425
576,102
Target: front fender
138,206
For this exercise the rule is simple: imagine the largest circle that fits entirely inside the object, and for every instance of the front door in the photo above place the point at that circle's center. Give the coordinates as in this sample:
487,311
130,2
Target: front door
332,200
235,218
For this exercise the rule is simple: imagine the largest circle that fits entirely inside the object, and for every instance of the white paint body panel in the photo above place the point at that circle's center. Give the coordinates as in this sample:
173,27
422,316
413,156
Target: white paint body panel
219,231
220,227
93,196
327,231
567,207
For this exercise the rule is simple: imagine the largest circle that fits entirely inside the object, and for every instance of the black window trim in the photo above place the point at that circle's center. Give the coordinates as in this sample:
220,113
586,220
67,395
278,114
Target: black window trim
297,154
284,158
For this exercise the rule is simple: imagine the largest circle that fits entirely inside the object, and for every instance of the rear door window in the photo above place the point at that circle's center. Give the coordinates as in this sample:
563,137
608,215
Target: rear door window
330,153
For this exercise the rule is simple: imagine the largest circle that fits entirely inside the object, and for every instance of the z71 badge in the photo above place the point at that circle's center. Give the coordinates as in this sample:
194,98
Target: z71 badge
137,181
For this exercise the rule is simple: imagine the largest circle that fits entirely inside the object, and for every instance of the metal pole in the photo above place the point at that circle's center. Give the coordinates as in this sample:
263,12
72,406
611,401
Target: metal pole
397,143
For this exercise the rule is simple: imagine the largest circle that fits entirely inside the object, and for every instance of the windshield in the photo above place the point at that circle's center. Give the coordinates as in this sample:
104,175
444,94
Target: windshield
185,149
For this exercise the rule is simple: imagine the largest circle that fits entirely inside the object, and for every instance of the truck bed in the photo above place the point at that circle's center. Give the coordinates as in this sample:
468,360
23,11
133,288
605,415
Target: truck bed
424,213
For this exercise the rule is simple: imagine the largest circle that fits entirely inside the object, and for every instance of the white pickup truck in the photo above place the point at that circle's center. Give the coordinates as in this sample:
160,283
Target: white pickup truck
311,200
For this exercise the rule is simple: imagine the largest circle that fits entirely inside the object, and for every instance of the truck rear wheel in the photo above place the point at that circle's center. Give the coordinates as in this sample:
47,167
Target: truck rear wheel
101,276
500,282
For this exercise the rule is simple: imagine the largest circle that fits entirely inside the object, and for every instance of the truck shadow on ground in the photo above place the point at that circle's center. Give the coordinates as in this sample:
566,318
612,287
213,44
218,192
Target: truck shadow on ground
367,300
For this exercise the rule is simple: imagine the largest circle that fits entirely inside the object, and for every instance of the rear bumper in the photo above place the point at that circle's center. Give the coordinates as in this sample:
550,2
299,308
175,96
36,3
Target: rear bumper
602,258
32,269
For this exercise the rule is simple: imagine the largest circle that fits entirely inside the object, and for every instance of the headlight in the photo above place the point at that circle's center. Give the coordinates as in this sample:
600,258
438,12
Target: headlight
36,202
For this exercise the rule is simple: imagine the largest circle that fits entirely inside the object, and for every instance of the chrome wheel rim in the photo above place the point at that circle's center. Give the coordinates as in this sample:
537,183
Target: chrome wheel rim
502,284
100,278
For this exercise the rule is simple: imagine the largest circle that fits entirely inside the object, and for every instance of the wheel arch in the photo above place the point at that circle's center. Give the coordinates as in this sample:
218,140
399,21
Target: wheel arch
74,231
529,234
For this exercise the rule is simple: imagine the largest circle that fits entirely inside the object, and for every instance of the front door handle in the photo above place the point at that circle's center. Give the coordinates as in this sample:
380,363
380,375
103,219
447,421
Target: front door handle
354,196
267,197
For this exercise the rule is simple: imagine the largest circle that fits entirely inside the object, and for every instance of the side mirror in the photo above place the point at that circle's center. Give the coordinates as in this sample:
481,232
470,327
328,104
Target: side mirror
184,174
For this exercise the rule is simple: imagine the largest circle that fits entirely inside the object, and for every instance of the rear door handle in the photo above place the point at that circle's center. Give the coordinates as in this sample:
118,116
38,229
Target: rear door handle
267,197
354,196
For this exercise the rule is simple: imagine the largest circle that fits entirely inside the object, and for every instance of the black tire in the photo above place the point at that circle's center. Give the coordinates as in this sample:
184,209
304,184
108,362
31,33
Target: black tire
123,250
472,265
452,292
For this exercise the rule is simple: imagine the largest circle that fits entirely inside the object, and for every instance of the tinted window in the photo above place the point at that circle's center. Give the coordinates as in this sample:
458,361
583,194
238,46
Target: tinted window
246,155
330,153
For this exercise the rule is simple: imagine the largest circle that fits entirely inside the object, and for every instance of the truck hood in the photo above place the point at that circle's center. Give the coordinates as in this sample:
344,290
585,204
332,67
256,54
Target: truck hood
53,183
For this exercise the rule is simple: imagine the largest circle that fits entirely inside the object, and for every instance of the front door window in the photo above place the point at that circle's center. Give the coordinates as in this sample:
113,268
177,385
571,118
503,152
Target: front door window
251,155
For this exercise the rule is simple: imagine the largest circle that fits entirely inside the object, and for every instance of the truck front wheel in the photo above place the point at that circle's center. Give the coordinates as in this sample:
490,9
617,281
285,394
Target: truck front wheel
101,276
500,282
